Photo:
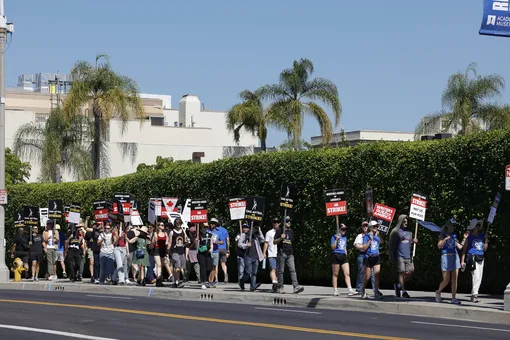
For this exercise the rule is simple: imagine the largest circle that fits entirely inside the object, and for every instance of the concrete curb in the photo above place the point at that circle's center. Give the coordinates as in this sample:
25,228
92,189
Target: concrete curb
417,308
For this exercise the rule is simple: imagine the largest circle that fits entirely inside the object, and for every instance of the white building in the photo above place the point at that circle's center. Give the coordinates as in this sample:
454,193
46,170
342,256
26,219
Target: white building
360,136
186,133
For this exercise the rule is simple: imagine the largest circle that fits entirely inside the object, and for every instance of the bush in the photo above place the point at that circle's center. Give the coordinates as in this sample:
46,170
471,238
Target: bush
460,177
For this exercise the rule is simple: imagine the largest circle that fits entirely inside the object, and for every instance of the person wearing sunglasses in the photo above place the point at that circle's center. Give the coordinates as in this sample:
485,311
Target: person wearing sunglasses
473,255
106,241
371,243
358,244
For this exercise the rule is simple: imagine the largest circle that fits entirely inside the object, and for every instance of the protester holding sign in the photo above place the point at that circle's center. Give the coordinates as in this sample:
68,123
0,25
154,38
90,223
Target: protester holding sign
271,252
73,252
36,251
106,241
371,243
286,256
339,259
205,247
241,252
473,255
358,244
400,254
450,262
252,258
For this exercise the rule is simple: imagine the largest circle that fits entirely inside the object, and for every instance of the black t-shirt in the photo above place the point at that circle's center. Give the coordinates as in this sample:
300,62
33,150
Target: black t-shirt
36,247
286,244
192,239
21,242
205,239
178,242
131,246
74,244
92,237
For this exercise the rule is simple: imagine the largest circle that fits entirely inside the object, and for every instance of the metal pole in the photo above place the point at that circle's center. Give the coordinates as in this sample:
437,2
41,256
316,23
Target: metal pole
4,271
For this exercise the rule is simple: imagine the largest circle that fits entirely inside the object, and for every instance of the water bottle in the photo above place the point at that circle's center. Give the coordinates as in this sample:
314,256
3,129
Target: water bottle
264,264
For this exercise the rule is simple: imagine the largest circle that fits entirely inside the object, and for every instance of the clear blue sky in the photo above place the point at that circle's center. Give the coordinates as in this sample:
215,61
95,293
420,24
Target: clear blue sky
389,59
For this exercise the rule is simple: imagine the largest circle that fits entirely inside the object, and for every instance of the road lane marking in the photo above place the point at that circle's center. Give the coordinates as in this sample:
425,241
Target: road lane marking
49,331
288,310
111,297
199,318
462,326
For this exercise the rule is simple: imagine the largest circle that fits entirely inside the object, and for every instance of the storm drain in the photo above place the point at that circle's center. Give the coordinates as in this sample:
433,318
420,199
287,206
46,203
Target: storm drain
206,296
279,302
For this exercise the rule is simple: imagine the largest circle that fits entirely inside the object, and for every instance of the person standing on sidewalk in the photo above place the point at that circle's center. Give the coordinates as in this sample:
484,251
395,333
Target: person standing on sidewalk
119,252
177,249
51,240
473,253
339,259
192,260
21,248
271,252
205,247
106,241
36,252
400,254
371,243
223,251
73,253
286,256
358,244
60,251
252,258
450,262
93,250
215,254
241,252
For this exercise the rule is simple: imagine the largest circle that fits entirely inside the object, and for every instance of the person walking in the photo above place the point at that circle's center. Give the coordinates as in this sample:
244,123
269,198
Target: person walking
177,249
73,252
36,252
271,253
205,248
192,260
51,240
286,256
339,259
473,255
215,254
358,244
371,243
161,245
450,262
252,258
93,250
60,251
241,252
400,241
223,251
119,253
141,253
106,241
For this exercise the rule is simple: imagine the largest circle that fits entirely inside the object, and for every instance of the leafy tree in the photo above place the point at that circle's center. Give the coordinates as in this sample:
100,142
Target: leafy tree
16,171
110,95
465,107
295,95
61,144
161,163
291,145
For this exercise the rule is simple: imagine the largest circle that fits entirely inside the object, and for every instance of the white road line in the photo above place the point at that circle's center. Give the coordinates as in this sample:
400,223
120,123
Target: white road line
110,297
462,326
49,331
288,310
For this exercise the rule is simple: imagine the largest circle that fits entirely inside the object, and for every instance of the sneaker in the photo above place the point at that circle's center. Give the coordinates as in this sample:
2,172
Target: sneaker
226,279
298,289
405,295
474,298
335,292
455,302
351,292
91,280
36,279
438,297
96,282
364,295
64,275
275,287
204,287
127,281
241,285
355,292
180,284
378,295
398,291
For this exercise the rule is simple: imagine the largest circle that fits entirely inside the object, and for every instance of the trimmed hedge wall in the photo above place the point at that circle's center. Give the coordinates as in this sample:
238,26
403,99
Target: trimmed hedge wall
460,177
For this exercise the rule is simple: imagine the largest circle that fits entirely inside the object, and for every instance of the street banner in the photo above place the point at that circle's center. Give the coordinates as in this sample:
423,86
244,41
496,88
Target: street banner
31,216
496,19
168,205
157,205
74,213
237,208
100,211
384,215
56,209
43,216
151,214
418,207
335,202
369,201
135,217
18,219
494,208
255,207
66,212
198,210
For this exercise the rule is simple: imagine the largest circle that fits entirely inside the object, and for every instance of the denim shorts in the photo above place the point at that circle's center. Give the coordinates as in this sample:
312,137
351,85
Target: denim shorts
450,262
215,259
272,263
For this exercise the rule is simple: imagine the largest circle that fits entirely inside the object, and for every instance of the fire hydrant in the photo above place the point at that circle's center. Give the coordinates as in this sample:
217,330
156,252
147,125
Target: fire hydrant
17,269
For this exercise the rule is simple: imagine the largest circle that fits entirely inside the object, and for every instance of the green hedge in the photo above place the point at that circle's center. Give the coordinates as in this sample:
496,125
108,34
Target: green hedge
460,176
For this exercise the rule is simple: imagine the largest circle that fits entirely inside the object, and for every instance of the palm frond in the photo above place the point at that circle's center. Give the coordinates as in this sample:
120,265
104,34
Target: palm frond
324,122
326,91
430,124
28,142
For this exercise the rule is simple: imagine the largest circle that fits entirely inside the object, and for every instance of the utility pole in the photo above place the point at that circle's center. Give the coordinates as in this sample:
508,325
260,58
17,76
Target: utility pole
4,29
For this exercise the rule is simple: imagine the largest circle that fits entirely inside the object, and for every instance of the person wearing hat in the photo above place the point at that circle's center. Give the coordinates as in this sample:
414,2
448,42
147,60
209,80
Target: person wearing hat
400,241
141,254
219,240
473,254
271,252
251,242
450,262
339,259
371,243
283,239
358,244
51,240
241,252
60,250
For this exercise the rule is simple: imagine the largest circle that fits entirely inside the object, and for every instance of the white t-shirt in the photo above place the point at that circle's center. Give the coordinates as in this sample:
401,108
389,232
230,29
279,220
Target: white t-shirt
51,240
272,249
107,245
358,240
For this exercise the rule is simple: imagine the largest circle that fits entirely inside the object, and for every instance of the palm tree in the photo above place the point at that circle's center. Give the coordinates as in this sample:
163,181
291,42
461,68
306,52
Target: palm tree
111,95
250,115
465,109
61,144
295,95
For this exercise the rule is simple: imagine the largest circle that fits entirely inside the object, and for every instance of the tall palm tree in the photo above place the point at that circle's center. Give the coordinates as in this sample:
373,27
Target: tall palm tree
61,144
250,116
111,95
465,109
296,94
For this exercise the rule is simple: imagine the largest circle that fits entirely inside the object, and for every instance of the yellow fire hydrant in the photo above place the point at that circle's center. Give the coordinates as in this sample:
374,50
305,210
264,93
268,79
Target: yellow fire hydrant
17,269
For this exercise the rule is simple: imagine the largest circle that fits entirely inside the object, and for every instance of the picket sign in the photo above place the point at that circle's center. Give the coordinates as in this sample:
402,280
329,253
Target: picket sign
417,211
384,215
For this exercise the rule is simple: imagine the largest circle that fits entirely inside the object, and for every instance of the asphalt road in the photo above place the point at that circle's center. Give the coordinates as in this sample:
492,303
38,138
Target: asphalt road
99,317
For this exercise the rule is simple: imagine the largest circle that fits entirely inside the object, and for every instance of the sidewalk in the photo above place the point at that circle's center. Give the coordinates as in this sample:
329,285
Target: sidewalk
490,310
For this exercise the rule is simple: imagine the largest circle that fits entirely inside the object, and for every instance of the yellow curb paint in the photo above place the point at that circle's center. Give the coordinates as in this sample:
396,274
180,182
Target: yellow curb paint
199,318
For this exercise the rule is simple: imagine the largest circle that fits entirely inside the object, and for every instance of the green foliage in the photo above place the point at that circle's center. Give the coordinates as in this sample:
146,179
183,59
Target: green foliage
16,171
460,177
161,163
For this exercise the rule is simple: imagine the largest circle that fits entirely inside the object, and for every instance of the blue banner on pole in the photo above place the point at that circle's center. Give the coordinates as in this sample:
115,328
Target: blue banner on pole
496,18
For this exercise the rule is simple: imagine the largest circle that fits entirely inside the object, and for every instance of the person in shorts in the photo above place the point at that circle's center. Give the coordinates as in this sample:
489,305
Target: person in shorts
223,251
371,243
177,248
339,259
271,252
21,249
401,239
60,250
36,252
215,254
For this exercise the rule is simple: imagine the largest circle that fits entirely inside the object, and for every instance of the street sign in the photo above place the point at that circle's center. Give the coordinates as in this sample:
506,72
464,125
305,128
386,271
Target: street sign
507,178
3,196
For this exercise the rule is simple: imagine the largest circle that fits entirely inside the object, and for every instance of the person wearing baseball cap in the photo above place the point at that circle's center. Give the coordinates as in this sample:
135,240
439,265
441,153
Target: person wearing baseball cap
339,259
271,252
473,255
283,239
371,243
241,252
358,244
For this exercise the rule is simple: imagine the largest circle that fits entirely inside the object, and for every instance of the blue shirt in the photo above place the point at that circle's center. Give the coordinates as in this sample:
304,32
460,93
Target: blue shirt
341,247
449,246
476,244
62,241
222,234
373,249
405,237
